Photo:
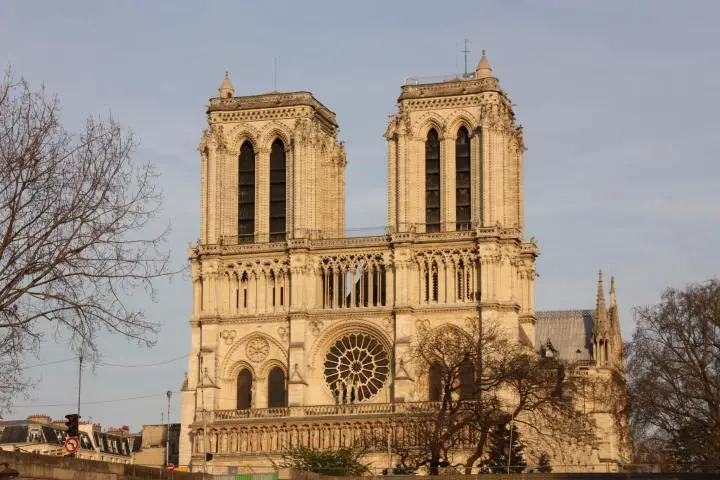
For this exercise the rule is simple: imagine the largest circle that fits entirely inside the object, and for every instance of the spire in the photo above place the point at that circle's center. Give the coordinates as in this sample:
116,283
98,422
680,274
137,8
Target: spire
600,301
600,326
483,69
615,335
226,88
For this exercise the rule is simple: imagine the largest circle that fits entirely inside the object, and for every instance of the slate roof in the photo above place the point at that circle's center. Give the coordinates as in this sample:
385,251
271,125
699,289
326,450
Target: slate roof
569,331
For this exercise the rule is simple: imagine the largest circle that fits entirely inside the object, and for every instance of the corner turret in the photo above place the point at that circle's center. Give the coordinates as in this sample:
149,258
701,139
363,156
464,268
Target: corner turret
226,88
483,69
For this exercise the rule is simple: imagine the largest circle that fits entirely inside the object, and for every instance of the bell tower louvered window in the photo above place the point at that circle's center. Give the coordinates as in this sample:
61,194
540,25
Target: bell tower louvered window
277,191
432,182
462,180
246,194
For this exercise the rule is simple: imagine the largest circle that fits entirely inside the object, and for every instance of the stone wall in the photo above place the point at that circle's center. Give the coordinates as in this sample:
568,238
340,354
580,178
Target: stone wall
46,467
536,476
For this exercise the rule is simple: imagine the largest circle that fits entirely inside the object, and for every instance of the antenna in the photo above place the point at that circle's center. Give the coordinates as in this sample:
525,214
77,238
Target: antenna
466,51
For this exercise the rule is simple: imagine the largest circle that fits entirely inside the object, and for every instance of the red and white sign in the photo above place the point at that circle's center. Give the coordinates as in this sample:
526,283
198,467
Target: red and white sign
171,467
72,444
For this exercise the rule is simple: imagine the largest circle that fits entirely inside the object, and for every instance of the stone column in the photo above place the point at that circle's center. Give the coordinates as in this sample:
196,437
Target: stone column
262,194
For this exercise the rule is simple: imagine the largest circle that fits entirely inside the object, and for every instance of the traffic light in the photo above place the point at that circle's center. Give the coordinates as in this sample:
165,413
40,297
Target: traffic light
72,424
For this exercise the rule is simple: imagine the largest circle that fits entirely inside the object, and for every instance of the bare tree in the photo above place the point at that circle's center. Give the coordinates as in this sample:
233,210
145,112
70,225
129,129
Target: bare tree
75,239
674,374
479,379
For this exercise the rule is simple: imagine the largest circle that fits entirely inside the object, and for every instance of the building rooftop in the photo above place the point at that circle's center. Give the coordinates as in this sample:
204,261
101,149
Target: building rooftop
569,332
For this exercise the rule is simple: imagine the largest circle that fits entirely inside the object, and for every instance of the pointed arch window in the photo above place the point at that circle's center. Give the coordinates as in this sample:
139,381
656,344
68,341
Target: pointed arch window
432,182
435,380
277,393
467,380
462,180
277,191
244,389
246,194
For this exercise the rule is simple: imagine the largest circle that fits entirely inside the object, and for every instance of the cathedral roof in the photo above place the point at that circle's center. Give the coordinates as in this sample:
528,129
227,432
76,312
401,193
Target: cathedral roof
569,332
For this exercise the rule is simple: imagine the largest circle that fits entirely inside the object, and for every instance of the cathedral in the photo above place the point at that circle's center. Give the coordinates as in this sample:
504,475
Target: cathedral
300,333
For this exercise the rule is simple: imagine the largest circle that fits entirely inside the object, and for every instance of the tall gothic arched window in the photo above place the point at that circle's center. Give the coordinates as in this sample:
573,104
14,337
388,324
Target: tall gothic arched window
432,182
244,389
462,180
467,380
246,194
277,393
435,380
277,191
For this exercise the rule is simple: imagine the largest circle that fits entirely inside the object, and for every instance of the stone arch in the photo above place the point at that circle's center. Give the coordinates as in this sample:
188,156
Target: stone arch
228,364
461,119
366,383
273,130
271,363
243,133
235,369
329,336
428,121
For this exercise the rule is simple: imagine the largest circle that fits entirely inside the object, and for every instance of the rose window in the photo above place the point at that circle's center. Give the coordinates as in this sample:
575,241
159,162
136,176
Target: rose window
356,368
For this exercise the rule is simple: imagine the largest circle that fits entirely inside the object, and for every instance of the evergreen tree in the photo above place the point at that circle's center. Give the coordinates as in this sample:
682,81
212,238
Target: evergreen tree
544,463
497,460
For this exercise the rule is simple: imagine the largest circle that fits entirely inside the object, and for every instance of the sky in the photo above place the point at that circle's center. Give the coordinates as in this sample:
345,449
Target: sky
618,101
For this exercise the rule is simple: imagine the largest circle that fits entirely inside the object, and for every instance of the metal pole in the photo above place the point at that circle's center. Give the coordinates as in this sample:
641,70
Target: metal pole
167,446
79,385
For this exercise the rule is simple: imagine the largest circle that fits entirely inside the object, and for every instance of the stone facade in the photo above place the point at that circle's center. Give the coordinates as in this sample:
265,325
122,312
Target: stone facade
331,318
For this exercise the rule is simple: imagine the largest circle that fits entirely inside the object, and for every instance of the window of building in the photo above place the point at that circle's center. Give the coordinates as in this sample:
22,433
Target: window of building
432,182
467,380
244,389
356,368
462,180
246,194
277,392
277,191
435,380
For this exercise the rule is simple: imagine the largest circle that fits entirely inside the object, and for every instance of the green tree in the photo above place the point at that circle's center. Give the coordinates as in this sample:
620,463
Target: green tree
544,463
497,460
340,462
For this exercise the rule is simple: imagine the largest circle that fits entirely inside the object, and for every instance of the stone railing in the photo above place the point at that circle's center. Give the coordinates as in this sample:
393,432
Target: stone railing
322,410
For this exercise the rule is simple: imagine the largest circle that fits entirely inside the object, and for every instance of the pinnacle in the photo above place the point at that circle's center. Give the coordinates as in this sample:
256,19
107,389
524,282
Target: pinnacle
600,290
226,84
483,69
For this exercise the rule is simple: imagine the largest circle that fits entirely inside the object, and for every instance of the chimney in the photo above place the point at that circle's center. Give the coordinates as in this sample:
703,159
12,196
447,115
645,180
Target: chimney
40,418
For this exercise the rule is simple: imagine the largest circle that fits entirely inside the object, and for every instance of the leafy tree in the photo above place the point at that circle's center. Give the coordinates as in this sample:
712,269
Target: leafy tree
75,230
341,462
544,463
501,454
674,376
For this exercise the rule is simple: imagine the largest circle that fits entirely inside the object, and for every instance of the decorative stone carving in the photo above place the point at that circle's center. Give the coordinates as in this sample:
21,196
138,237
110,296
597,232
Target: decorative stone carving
356,367
228,336
257,349
387,324
422,326
315,326
284,333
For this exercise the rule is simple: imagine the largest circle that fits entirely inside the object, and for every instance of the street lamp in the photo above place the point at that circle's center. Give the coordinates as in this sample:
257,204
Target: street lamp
167,445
